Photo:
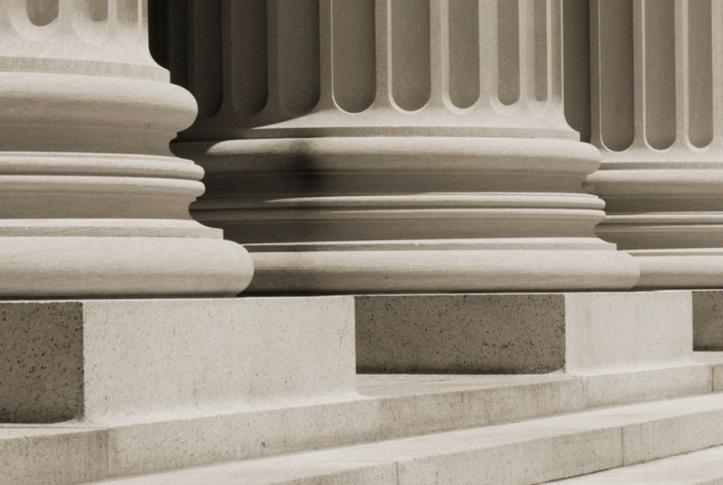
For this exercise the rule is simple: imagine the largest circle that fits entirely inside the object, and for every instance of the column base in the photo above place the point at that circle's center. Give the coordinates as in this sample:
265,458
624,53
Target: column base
680,268
361,268
410,213
70,266
667,214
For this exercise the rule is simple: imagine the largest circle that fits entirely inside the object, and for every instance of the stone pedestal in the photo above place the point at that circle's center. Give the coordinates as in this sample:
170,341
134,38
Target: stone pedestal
408,145
114,360
656,118
580,333
92,202
708,320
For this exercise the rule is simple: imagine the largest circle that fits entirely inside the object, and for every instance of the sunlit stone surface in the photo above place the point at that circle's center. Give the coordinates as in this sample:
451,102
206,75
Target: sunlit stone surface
92,202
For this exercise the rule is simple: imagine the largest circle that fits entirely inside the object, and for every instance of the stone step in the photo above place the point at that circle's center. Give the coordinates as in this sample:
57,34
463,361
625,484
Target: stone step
697,468
383,407
531,451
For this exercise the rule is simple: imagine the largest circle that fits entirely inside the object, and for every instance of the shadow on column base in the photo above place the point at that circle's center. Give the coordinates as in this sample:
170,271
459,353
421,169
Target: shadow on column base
370,214
62,267
441,270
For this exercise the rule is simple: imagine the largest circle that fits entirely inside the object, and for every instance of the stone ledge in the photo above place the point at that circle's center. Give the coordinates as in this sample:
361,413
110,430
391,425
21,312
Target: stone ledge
106,359
385,407
530,451
102,360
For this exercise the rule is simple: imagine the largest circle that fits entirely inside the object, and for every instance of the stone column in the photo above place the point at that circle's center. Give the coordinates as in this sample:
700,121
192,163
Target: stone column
405,145
657,117
92,202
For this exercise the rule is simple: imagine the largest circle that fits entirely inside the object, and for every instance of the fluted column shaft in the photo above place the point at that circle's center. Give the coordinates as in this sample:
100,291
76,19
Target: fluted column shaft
92,201
384,145
657,117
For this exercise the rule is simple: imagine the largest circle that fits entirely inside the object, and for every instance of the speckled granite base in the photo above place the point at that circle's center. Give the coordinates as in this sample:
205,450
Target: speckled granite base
586,332
41,361
493,333
708,320
103,360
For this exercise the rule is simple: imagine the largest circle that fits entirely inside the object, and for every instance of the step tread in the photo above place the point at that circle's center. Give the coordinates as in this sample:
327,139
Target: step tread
566,445
703,467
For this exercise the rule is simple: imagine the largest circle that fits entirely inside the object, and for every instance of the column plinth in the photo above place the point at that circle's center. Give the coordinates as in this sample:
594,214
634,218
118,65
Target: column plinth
391,146
656,117
92,201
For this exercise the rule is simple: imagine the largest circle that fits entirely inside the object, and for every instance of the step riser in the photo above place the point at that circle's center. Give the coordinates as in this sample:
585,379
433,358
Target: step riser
143,448
658,439
522,463
58,459
703,467
564,456
554,458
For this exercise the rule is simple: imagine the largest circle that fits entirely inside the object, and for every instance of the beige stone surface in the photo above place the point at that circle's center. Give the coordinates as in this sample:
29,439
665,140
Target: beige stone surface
698,468
654,113
40,456
474,333
356,147
92,201
718,377
106,360
525,452
583,333
715,361
376,147
657,439
644,385
636,330
385,407
389,406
